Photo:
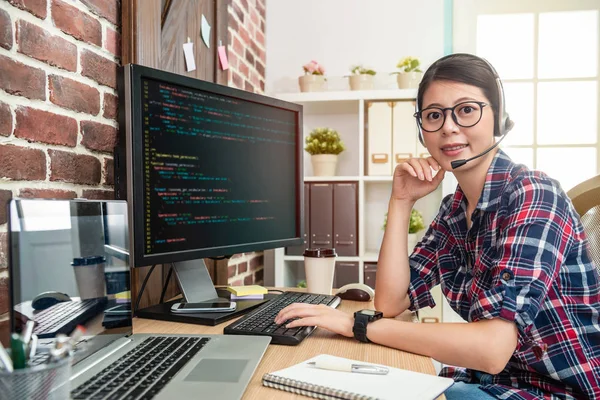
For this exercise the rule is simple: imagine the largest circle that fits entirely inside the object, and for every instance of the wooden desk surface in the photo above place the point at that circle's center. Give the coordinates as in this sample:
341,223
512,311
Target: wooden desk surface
321,341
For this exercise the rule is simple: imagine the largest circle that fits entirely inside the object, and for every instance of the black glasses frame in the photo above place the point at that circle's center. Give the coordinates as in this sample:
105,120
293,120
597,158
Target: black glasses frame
419,114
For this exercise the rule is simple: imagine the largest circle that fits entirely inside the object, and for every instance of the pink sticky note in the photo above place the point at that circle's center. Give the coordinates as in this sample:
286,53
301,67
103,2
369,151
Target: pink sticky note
223,57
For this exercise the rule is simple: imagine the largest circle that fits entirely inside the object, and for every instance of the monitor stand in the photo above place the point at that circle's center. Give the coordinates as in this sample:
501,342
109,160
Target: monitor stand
196,287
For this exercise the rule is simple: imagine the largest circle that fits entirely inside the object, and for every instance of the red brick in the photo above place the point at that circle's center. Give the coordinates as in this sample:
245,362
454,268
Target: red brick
244,35
249,280
21,80
46,127
237,46
260,38
262,25
6,39
5,331
100,69
35,7
98,137
3,295
260,68
256,263
76,23
254,78
254,17
249,57
238,81
74,168
6,124
3,250
5,196
259,276
238,12
262,85
244,5
248,87
231,271
111,106
109,171
243,267
233,60
74,95
233,25
22,164
107,9
244,70
31,193
261,9
95,194
113,42
236,283
41,45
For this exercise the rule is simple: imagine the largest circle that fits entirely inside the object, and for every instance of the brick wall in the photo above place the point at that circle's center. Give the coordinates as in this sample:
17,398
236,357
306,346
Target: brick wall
58,104
247,60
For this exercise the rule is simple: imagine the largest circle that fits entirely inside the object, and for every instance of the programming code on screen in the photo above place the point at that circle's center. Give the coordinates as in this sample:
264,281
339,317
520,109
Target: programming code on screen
217,170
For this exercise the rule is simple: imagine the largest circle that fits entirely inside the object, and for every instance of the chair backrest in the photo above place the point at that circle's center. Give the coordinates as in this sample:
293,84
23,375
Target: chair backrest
586,199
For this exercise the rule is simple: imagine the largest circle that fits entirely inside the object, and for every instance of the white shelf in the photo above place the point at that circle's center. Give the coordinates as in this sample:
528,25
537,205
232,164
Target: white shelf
347,95
331,178
370,256
377,178
301,258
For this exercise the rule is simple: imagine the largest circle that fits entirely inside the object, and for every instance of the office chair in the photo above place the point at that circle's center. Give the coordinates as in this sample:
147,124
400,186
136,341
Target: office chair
586,199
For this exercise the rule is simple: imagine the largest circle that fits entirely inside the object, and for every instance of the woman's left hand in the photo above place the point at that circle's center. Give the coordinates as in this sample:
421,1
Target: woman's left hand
317,315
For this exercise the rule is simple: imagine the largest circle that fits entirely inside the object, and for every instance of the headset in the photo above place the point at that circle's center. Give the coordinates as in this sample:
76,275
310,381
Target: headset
504,124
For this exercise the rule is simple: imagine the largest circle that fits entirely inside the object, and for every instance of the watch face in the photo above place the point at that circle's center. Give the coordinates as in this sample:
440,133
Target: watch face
370,313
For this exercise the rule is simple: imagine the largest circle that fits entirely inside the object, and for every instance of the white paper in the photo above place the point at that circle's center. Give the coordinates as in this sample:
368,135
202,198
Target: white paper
205,31
188,52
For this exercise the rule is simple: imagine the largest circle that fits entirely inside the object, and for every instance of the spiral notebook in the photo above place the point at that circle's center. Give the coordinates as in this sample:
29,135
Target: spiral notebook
324,384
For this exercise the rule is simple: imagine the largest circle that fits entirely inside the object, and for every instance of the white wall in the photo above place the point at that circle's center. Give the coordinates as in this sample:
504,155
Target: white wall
342,33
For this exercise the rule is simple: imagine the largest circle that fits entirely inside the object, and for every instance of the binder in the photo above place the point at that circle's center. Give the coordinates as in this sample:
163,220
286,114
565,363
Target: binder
345,273
321,215
345,219
405,133
379,138
370,270
299,250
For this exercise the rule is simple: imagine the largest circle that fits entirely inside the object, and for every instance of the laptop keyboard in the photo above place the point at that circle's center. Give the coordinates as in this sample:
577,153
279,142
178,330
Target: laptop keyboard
261,320
65,316
142,372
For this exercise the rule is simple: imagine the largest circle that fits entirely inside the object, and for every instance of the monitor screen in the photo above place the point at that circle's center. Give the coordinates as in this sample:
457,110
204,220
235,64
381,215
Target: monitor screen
212,170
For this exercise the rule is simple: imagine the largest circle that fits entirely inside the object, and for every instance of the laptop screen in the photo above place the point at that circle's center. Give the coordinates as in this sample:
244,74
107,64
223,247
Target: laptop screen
69,267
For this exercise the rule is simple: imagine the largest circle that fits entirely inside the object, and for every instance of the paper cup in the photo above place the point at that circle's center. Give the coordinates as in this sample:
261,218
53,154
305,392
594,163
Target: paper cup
319,266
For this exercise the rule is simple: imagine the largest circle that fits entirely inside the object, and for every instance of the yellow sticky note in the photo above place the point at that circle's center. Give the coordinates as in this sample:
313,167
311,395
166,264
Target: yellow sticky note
246,290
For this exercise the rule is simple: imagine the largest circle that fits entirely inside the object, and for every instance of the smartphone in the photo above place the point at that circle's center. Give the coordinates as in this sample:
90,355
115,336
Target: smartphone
216,306
123,309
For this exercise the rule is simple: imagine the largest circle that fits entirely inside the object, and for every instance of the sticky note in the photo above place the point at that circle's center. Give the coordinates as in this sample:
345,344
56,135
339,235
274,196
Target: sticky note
247,290
205,31
188,52
223,57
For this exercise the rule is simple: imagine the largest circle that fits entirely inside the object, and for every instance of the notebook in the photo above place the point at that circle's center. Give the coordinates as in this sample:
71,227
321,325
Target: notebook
324,384
247,290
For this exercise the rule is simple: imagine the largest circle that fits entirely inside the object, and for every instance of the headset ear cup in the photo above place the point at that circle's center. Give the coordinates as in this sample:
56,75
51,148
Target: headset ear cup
420,135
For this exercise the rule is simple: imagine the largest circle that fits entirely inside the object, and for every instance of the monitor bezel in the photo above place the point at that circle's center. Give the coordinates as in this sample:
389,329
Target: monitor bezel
131,124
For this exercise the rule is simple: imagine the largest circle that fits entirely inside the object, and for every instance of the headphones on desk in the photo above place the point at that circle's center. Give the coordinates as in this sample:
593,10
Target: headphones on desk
504,123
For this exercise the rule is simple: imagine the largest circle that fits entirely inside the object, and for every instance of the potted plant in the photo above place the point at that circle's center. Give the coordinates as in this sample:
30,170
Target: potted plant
313,78
361,78
415,225
409,75
324,145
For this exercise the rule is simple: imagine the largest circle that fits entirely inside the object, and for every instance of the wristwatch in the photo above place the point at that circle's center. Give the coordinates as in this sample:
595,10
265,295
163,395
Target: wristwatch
361,320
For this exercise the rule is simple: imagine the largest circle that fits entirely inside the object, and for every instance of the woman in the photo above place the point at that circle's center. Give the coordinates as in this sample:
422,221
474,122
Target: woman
507,248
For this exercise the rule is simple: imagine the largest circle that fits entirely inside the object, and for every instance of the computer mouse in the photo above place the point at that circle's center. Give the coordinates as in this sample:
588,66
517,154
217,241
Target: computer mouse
48,299
356,292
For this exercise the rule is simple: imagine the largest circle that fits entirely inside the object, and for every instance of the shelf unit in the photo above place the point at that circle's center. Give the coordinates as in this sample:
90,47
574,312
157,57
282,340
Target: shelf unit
346,111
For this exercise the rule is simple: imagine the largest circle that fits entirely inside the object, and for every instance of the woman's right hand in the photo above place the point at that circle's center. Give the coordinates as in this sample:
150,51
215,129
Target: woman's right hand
414,179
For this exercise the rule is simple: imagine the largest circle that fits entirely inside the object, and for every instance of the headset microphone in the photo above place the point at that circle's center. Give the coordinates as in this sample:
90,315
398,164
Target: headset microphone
459,163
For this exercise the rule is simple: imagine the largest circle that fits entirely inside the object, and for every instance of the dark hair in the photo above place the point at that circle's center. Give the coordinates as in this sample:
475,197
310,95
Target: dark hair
464,68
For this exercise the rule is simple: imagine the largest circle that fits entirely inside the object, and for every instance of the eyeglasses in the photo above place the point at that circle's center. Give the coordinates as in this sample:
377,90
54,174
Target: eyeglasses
465,114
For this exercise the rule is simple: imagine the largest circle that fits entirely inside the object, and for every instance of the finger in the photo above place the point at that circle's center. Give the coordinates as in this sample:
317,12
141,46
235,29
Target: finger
414,162
309,321
426,169
295,310
408,168
438,177
434,164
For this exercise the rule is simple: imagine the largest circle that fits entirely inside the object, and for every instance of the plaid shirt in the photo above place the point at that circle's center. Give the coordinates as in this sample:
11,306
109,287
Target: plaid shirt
524,259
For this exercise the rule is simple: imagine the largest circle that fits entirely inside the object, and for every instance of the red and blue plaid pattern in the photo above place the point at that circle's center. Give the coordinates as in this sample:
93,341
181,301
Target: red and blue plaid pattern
524,259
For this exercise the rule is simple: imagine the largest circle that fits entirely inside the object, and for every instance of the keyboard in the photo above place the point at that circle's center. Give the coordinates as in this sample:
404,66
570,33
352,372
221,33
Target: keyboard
261,320
65,316
142,372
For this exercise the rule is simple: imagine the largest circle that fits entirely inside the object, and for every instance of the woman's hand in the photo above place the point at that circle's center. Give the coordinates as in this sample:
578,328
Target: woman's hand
414,179
317,315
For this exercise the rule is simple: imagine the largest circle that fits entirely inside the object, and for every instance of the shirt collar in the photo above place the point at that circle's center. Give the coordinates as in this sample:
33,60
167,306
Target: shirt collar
497,178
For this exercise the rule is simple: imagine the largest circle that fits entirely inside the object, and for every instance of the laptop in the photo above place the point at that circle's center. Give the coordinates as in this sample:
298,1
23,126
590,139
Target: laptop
68,267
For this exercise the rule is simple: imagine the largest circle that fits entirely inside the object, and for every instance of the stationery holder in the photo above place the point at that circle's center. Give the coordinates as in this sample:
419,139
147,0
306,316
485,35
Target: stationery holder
40,382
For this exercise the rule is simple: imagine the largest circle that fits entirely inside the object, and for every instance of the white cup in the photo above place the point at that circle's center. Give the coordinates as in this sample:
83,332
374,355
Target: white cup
89,275
319,266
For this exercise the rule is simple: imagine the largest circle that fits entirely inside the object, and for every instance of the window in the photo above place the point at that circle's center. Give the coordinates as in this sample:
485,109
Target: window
546,53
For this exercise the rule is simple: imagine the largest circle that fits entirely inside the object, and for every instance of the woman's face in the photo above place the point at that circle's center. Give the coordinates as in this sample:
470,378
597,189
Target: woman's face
452,141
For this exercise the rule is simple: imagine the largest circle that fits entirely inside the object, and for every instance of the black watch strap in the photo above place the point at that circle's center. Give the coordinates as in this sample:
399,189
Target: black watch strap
360,327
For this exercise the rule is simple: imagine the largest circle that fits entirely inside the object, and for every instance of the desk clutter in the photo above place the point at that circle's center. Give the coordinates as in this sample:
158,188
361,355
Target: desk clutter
330,377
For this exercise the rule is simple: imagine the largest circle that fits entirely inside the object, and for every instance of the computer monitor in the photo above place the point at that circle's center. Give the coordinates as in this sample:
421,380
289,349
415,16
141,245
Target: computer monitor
207,170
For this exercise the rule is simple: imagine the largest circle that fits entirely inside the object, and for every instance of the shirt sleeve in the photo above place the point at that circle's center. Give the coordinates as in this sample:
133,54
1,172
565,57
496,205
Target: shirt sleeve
423,262
532,242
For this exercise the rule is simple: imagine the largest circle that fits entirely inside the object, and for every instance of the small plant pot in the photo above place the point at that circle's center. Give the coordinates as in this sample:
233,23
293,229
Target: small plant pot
412,242
361,82
311,83
409,80
324,164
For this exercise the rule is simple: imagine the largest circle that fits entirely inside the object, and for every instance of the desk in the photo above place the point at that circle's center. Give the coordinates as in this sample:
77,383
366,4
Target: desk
321,341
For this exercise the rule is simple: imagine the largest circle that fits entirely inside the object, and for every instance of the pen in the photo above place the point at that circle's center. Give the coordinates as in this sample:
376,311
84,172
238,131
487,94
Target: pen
5,359
17,350
33,346
344,366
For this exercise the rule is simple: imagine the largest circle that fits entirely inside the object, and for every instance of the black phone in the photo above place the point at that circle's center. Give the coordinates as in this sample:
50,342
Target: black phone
211,306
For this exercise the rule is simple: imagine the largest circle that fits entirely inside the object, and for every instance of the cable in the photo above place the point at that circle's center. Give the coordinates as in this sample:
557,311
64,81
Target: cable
221,257
275,290
139,296
164,288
